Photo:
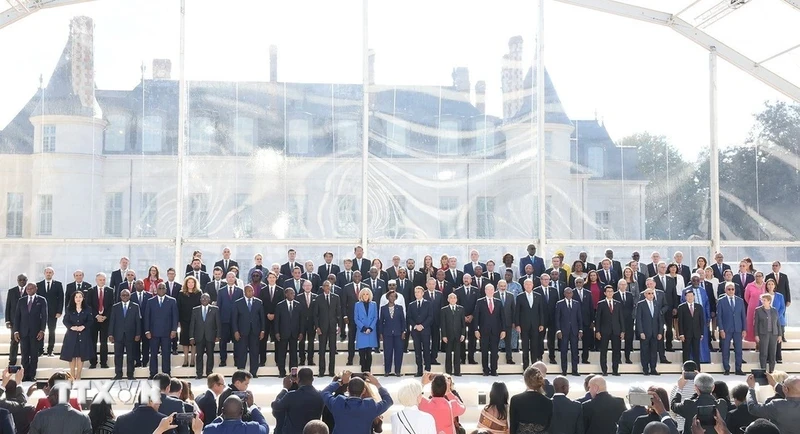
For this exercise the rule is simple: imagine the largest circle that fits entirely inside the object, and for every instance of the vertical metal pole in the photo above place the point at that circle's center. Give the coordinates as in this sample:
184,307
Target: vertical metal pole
713,150
540,118
181,139
364,123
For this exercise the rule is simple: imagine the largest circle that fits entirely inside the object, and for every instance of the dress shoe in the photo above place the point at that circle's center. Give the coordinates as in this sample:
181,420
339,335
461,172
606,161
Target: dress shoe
779,361
386,374
616,374
585,362
576,374
655,373
510,362
665,361
727,372
262,364
435,362
628,362
49,354
564,373
605,374
473,362
174,352
349,362
418,374
311,363
740,373
144,364
104,365
321,374
485,374
185,365
197,377
117,377
646,374
397,374
222,364
552,361
494,373
130,377
93,366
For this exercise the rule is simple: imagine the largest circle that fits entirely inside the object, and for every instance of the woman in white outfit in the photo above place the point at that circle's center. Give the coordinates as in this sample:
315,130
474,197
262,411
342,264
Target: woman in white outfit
411,420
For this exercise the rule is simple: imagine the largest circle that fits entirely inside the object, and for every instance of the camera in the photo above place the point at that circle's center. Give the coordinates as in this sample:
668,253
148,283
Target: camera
705,415
183,419
482,398
643,399
760,375
13,369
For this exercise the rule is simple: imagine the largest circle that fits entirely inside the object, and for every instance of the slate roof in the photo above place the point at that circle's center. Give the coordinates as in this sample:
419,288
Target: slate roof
554,110
619,162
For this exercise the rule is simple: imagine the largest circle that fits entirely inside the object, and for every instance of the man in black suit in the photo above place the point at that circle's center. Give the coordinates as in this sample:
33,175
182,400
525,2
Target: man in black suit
493,276
225,302
216,285
587,266
298,403
453,274
781,282
345,276
478,278
205,330
392,272
719,266
557,272
270,297
100,300
529,318
490,329
686,407
119,274
550,297
310,275
376,284
404,286
417,278
30,320
198,273
529,275
649,326
360,263
739,418
327,321
247,324
287,269
307,300
53,291
727,276
438,302
628,302
569,326
606,275
77,285
616,266
652,267
226,262
507,303
143,418
467,297
453,333
141,348
691,320
567,414
671,299
207,402
683,269
12,298
349,300
442,284
609,326
127,283
328,267
584,296
629,416
557,283
295,281
602,412
124,331
420,320
288,330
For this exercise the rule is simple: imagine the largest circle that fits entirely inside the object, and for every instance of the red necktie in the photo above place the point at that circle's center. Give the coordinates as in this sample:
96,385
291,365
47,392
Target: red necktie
491,306
691,309
611,306
100,294
30,303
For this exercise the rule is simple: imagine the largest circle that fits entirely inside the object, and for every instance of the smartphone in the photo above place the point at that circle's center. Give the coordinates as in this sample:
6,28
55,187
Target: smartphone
689,375
760,375
183,419
643,399
13,369
481,398
294,373
40,385
705,415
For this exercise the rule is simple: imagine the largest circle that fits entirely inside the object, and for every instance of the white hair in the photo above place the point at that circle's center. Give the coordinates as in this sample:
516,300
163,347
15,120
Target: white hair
100,274
409,392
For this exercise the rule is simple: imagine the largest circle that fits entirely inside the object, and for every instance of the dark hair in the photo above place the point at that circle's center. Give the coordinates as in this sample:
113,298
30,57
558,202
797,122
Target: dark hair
316,426
662,395
498,398
175,385
163,380
739,393
656,428
574,265
439,386
305,376
721,391
99,413
74,305
356,387
762,426
240,375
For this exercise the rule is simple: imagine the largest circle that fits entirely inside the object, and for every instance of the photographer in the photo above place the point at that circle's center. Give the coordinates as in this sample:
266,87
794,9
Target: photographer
298,403
232,418
782,412
704,385
240,381
355,413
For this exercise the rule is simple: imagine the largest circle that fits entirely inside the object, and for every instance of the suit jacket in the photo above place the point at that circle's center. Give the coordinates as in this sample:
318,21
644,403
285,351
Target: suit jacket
420,315
628,418
672,297
141,300
378,287
719,270
601,413
628,307
288,324
731,319
328,317
211,289
437,302
684,271
207,403
171,405
738,290
481,283
12,298
323,273
175,290
235,426
141,419
783,285
189,268
601,277
416,277
489,322
608,322
354,415
762,321
363,265
299,407
221,264
493,277
55,297
452,323
737,279
342,280
286,269
405,287
162,320
271,301
93,301
125,327
116,278
567,416
467,299
205,331
559,287
393,326
290,283
562,274
527,316
84,287
688,409
350,298
315,281
246,321
456,281
306,310
204,277
691,326
525,277
391,273
739,418
650,325
587,306
537,262
469,268
55,420
569,321
652,270
549,304
30,323
506,301
225,303
444,287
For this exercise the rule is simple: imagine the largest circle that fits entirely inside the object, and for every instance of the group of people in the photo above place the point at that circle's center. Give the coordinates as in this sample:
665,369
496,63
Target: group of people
482,307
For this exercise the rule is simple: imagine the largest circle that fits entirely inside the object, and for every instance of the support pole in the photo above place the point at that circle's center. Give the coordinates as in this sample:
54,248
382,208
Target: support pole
364,124
540,118
181,139
713,150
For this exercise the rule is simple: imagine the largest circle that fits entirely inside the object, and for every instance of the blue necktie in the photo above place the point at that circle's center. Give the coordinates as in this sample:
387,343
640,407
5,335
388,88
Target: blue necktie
124,310
204,313
160,302
249,306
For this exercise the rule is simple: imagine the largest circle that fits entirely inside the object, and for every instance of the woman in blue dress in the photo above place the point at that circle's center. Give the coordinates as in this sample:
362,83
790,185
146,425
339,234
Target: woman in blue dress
77,345
701,296
366,313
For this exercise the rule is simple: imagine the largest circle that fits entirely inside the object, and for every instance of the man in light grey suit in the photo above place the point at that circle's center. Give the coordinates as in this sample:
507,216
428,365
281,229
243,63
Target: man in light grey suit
60,418
204,331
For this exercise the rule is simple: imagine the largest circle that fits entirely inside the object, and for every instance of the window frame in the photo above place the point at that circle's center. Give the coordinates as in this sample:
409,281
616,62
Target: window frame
45,214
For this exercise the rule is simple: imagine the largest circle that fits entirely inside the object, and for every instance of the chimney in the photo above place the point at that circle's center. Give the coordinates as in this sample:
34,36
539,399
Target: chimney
273,63
512,78
461,79
480,96
371,63
162,69
81,31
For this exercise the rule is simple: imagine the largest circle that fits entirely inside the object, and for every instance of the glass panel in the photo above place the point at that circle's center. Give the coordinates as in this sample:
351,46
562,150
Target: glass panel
116,138
152,133
45,214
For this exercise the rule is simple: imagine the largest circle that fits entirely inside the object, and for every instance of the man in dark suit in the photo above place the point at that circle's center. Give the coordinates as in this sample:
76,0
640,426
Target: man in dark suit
649,326
438,301
609,326
225,302
124,331
731,320
299,406
160,326
404,287
119,274
100,300
683,269
587,266
453,274
557,283
567,414
287,269
215,286
327,316
173,287
270,296
727,276
557,272
30,320
141,348
130,278
719,266
328,267
606,275
628,303
198,273
739,418
569,326
311,276
12,298
53,291
479,279
687,408
781,282
584,296
671,299
652,267
247,324
493,276
345,276
360,263
743,277
442,284
288,330
453,333
467,297
205,329
417,278
489,328
207,402
143,418
529,318
349,300
295,281
420,319
691,320
614,265
392,272
469,267
602,412
537,263
226,262
376,284
77,285
507,301
307,329
550,297
628,418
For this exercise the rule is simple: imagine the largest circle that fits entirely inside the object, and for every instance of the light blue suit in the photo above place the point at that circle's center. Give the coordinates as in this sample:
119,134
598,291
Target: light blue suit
731,320
366,319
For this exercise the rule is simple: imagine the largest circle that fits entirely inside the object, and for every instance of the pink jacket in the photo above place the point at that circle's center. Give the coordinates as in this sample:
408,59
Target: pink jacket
443,411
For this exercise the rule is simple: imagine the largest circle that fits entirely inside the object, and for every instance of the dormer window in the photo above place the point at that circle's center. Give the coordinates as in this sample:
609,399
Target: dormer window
298,140
484,138
596,160
116,133
152,134
448,137
201,134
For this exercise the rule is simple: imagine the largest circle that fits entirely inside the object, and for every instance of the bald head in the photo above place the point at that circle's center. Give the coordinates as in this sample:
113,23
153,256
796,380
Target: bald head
232,408
791,387
656,428
597,385
316,427
541,367
561,385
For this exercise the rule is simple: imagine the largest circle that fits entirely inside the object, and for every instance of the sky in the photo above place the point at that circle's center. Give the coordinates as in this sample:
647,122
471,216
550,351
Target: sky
633,76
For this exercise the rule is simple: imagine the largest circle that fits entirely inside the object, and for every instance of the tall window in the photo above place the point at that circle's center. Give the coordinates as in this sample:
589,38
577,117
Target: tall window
346,136
14,215
243,220
448,137
45,214
602,223
548,144
448,217
396,227
116,133
148,206
346,218
113,223
201,133
485,217
396,139
548,212
596,160
484,139
296,209
245,138
299,139
152,134
49,138
198,214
